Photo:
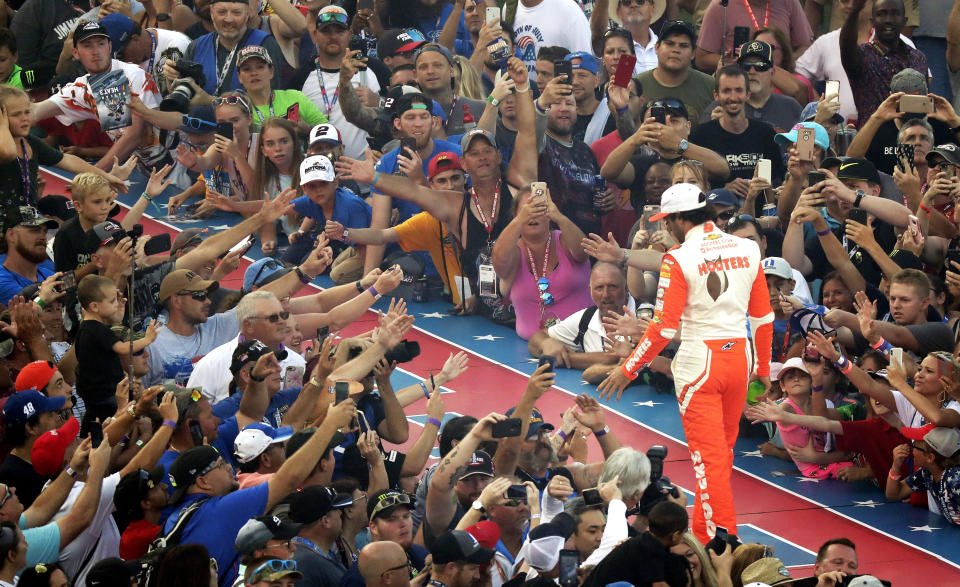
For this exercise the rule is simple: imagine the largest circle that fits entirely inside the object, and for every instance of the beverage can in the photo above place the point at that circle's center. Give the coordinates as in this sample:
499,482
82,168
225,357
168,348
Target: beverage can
754,391
769,209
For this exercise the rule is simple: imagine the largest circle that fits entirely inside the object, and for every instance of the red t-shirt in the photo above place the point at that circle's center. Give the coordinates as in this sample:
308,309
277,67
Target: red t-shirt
136,539
86,133
621,220
875,440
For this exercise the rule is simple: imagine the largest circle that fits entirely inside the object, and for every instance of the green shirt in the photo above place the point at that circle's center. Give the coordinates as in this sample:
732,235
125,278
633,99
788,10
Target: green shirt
15,80
284,99
696,92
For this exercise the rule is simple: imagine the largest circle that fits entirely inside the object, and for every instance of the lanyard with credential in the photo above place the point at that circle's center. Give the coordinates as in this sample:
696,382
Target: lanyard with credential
25,172
766,17
153,52
488,226
222,72
328,105
257,109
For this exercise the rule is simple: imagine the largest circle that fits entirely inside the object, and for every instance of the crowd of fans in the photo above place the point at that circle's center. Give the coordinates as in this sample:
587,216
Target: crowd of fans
508,157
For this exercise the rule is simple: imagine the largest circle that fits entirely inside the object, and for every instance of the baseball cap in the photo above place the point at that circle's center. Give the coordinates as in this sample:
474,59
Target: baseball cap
777,266
48,450
458,545
820,136
133,487
948,151
410,101
255,438
681,197
946,441
722,197
810,111
909,81
399,41
120,28
184,280
302,436
316,168
428,47
274,570
536,421
542,547
262,272
316,501
255,534
332,15
105,233
480,463
383,502
25,216
187,238
865,581
26,404
658,8
766,571
677,27
791,363
250,351
88,29
756,49
325,132
486,532
860,169
587,61
474,133
253,52
112,572
35,375
192,463
443,162
57,206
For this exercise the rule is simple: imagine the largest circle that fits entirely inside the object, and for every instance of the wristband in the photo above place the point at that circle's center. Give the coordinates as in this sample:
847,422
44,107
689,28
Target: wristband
562,434
255,378
69,471
359,286
493,100
434,421
39,301
345,237
426,392
373,291
824,232
623,110
375,178
817,388
924,208
526,88
132,410
536,104
304,278
313,381
171,423
895,478
882,345
146,197
139,443
841,362
124,440
602,432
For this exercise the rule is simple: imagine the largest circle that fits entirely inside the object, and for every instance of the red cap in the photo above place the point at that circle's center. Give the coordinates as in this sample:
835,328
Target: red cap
35,375
486,532
443,162
917,433
49,449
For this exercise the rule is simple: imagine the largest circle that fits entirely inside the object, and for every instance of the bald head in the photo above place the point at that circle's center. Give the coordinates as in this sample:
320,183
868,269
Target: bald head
382,564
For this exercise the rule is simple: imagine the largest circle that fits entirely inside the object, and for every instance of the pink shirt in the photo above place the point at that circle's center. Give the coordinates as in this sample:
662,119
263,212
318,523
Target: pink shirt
569,284
786,15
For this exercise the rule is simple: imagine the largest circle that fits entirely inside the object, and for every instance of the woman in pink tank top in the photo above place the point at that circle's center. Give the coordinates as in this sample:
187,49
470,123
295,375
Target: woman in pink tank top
544,272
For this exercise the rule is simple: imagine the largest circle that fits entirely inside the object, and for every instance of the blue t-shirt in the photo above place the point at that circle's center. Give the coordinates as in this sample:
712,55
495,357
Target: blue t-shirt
216,524
279,405
372,407
43,542
11,282
349,209
431,27
388,163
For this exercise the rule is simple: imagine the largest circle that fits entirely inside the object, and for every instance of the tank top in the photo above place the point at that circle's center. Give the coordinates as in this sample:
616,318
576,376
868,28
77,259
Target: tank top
475,237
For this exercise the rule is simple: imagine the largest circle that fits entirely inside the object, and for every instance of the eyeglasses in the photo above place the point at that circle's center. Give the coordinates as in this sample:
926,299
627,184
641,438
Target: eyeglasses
942,164
200,296
726,215
233,101
217,464
274,318
272,566
543,284
756,66
6,496
512,503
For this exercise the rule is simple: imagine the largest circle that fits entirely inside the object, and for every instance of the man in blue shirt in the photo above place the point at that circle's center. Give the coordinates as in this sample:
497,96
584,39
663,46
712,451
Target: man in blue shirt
25,243
202,473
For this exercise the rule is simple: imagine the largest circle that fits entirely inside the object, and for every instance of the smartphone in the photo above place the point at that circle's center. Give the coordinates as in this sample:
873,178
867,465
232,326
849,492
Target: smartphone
96,433
569,563
341,389
293,113
765,170
565,68
858,215
648,212
896,356
408,143
69,280
949,171
358,44
741,35
914,224
158,243
538,189
906,154
832,87
493,14
624,71
243,245
507,428
815,177
364,4
659,114
805,144
917,104
953,255
592,497
944,367
719,541
225,130
196,433
322,332
547,360
517,492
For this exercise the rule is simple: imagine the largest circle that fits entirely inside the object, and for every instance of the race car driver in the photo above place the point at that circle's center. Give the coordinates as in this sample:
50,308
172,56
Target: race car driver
710,284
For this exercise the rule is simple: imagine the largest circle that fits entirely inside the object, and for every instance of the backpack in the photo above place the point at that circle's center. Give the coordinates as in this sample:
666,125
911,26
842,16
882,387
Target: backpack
149,563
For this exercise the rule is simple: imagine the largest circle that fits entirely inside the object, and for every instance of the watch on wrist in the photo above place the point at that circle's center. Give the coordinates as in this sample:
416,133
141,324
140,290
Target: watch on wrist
478,505
683,146
163,17
860,195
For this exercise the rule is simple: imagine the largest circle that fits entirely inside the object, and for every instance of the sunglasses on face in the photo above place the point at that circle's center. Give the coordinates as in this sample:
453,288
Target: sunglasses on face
6,496
276,317
756,66
637,2
726,215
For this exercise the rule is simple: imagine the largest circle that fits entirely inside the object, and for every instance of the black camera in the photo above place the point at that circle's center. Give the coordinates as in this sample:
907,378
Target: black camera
182,92
660,487
404,352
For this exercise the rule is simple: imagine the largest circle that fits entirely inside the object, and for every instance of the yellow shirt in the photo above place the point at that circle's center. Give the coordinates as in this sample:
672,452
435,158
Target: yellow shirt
423,232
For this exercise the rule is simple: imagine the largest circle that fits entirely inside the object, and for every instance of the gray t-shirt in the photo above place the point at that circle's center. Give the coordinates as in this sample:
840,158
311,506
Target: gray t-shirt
781,112
172,356
932,336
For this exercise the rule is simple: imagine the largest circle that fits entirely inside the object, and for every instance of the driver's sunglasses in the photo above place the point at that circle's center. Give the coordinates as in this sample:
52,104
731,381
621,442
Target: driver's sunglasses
200,296
276,317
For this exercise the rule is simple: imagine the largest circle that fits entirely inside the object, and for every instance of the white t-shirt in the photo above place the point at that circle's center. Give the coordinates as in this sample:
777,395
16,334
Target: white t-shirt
567,329
354,139
170,45
212,372
101,537
552,22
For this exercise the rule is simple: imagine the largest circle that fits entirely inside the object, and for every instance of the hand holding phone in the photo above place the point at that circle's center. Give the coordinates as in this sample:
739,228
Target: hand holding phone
493,15
225,130
508,428
624,73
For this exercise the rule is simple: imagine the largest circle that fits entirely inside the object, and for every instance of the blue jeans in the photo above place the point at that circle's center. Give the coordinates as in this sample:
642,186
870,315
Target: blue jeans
935,48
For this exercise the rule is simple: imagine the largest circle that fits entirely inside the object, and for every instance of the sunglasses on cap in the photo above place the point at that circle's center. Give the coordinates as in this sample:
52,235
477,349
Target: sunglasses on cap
667,103
198,123
756,66
332,17
272,566
637,2
740,220
232,101
270,265
389,500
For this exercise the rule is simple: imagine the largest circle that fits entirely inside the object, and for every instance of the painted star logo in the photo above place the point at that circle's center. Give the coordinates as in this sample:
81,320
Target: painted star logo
925,528
489,337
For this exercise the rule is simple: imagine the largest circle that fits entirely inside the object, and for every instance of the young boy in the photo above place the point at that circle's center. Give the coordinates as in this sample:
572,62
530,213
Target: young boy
99,368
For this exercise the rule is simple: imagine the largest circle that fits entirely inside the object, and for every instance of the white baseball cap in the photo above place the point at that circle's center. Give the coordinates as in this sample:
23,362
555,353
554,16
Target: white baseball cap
777,266
792,363
681,197
316,168
325,132
256,437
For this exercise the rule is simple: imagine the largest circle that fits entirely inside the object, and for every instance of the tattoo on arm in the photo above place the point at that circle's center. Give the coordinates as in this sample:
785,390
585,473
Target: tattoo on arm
364,117
460,472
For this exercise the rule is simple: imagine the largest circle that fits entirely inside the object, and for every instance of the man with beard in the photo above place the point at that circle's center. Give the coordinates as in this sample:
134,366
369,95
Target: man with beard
593,115
457,559
25,244
453,502
435,76
636,16
871,66
204,480
203,24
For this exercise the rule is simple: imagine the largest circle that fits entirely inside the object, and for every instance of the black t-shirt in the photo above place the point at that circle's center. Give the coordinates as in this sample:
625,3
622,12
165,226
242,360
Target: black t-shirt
98,368
196,30
68,249
641,561
583,121
18,473
882,232
883,148
569,170
12,189
742,151
642,160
